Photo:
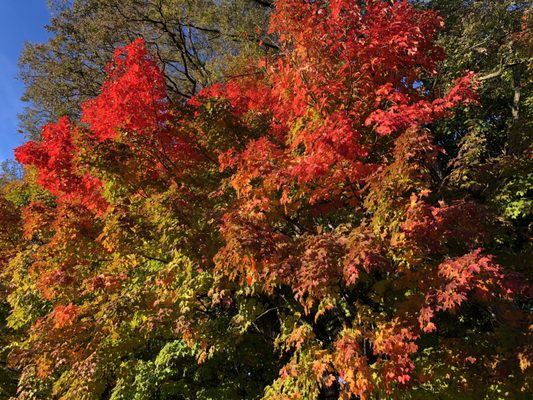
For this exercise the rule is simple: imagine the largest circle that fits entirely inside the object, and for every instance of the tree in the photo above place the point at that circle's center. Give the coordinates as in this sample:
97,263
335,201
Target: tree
290,233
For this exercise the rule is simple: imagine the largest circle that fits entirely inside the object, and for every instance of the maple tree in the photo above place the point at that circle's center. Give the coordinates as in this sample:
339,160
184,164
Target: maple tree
284,234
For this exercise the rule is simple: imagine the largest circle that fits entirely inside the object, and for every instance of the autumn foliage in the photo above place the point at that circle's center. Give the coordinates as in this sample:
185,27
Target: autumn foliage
287,227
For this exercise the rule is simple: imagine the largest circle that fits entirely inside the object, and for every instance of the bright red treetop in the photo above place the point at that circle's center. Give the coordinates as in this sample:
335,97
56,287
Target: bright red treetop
133,98
348,74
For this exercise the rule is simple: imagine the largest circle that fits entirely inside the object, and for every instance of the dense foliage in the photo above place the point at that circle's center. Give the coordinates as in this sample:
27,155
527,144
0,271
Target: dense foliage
348,217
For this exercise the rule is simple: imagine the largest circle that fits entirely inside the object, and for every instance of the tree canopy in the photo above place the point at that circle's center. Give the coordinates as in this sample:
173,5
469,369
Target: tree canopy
344,216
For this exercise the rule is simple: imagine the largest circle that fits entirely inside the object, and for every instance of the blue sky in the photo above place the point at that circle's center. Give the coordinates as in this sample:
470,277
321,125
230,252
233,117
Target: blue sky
20,21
